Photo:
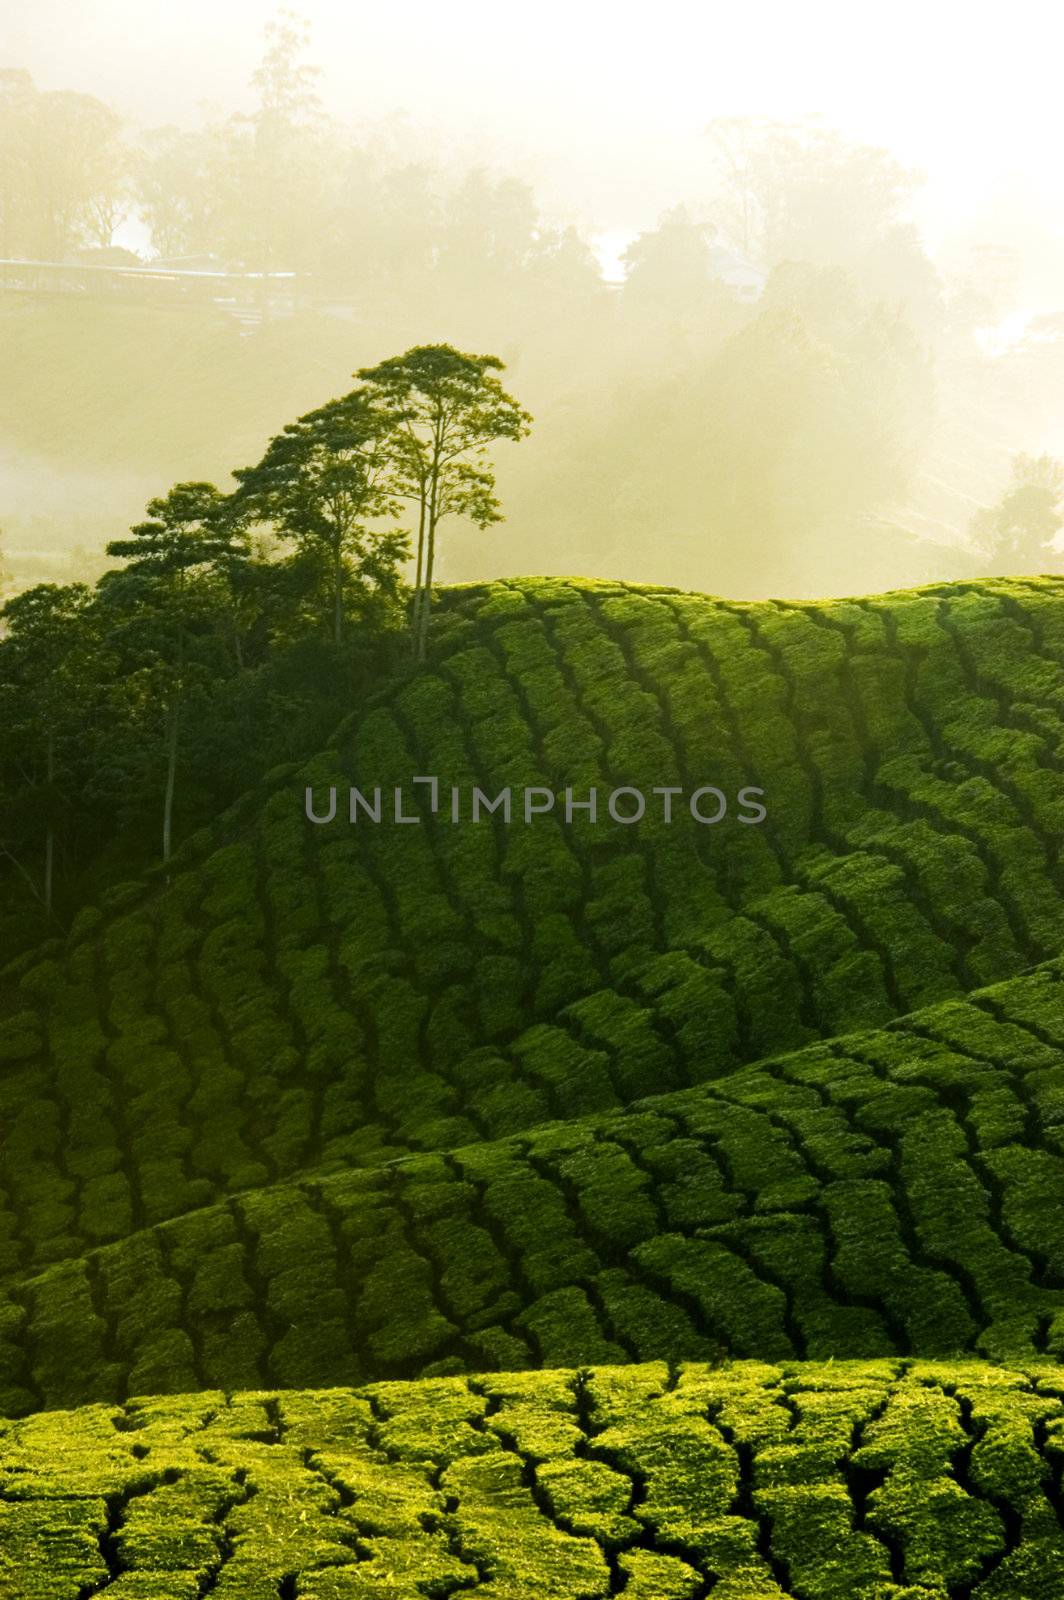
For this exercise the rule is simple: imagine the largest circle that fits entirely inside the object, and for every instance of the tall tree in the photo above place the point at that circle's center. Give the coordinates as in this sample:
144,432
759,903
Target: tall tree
177,562
322,482
450,407
179,194
256,189
50,670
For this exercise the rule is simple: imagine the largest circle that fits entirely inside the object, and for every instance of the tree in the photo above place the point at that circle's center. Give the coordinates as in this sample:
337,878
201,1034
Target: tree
49,671
321,482
800,191
449,407
671,264
671,290
62,169
255,189
177,189
168,596
1017,533
769,455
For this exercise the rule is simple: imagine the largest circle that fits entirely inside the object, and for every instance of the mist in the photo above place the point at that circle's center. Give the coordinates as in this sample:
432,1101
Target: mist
784,297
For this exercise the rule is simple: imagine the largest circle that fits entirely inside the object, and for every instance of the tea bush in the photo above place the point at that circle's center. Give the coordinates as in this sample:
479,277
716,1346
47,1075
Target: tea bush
876,1480
432,1111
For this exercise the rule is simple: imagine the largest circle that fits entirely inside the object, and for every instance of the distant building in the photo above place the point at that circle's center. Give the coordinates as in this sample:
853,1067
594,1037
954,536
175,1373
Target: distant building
112,255
199,281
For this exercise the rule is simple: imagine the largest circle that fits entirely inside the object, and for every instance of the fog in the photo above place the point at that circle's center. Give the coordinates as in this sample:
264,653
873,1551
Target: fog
783,287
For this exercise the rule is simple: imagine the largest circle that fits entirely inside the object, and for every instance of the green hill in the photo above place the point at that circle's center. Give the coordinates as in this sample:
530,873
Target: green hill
878,1481
349,1105
897,1192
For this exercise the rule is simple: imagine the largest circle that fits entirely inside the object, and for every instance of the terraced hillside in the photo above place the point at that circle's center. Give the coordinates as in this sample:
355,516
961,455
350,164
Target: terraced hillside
305,997
894,1192
405,1106
876,1481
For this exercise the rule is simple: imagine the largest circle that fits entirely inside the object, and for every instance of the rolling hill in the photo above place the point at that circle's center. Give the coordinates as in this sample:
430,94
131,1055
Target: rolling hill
722,1162
881,1480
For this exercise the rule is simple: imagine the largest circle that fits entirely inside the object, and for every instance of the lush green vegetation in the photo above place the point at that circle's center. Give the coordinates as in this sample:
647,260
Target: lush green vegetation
458,1112
874,1480
891,1192
206,650
303,997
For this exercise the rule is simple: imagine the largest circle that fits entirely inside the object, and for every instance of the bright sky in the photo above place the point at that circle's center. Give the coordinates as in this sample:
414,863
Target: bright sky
602,105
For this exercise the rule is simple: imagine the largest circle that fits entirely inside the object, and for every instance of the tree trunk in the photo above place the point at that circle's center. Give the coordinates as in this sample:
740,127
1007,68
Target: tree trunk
426,594
49,838
338,591
415,620
171,776
432,517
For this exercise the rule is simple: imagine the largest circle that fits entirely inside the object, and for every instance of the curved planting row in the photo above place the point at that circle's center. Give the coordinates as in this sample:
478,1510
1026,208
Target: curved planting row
894,1192
312,998
851,1481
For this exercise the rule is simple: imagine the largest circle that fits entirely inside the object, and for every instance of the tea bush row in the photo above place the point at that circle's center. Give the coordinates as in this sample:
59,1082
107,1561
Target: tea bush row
897,1191
876,1480
307,999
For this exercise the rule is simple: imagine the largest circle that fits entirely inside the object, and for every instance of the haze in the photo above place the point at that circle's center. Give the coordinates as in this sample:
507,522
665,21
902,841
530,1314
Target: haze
606,102
601,112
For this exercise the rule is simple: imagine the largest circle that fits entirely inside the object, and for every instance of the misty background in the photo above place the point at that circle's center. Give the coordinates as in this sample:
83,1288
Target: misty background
783,291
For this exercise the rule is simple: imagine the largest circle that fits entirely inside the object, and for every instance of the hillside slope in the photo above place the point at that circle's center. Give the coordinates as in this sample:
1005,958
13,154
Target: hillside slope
569,1209
853,1481
307,997
894,1192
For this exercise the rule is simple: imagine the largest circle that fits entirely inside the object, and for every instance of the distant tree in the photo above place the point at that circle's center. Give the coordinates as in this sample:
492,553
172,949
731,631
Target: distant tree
670,283
1016,534
322,482
384,232
176,578
672,260
488,230
51,670
769,456
286,168
63,169
255,189
450,407
983,287
800,191
176,188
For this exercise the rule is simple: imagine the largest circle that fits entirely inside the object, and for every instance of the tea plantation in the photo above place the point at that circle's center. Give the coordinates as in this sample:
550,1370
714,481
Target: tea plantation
569,1208
872,1480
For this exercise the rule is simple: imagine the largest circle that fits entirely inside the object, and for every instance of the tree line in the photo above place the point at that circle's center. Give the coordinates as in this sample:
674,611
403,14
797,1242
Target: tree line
239,623
767,402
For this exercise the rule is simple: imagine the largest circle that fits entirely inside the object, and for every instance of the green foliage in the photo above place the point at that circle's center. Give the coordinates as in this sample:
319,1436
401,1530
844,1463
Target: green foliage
857,1200
363,1104
877,1480
322,482
1017,533
447,406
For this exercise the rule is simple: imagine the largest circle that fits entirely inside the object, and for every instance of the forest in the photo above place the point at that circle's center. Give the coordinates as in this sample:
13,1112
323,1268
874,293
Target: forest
216,651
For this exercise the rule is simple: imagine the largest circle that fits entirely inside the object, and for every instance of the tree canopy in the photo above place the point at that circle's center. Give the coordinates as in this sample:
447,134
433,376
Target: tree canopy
449,407
321,482
238,623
